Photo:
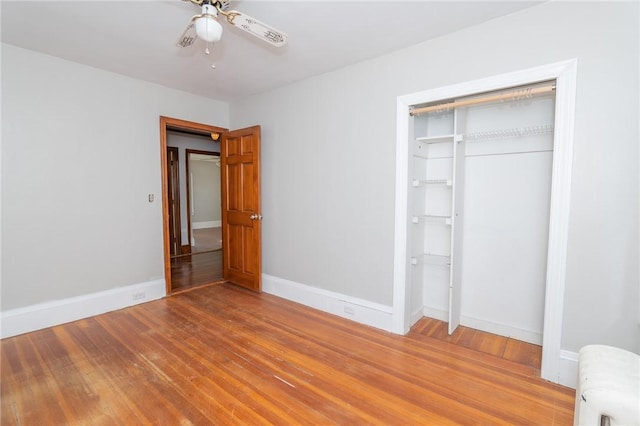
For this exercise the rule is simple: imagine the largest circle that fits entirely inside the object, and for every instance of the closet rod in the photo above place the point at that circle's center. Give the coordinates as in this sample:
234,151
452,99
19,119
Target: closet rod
514,95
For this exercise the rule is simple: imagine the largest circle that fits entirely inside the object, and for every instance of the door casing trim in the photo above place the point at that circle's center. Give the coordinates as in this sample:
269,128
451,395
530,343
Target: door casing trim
169,123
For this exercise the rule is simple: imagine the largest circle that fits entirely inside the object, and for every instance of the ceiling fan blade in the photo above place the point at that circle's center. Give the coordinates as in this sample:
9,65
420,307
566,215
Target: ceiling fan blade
256,28
189,35
223,5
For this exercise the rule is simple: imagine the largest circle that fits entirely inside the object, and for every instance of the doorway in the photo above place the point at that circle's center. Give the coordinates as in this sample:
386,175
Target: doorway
199,236
241,217
191,199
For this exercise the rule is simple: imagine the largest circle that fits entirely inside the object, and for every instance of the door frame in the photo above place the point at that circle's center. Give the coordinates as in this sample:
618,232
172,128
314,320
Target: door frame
564,73
169,123
176,224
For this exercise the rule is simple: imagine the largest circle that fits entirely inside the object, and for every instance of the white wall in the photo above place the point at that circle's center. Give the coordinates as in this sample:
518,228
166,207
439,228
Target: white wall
206,191
328,159
80,154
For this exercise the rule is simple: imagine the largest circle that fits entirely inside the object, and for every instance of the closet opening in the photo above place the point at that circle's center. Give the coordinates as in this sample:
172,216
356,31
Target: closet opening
483,169
479,204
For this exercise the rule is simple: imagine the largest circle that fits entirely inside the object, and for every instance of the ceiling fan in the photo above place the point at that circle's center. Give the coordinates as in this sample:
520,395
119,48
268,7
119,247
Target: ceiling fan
206,26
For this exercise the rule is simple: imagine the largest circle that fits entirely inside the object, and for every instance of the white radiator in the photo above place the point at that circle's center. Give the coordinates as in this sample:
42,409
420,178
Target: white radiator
608,390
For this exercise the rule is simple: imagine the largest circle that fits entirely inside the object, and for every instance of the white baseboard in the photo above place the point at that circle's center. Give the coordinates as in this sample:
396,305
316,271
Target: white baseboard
435,313
416,315
48,314
209,224
488,326
43,315
502,329
359,310
568,369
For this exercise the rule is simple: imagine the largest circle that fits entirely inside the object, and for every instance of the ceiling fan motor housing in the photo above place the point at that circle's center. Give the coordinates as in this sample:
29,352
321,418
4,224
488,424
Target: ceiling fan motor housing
207,27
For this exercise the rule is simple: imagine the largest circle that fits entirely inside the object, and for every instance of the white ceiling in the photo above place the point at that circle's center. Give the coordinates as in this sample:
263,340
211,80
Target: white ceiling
137,38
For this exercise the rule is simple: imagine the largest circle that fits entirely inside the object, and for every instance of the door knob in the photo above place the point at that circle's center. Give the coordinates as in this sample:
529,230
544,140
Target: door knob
255,217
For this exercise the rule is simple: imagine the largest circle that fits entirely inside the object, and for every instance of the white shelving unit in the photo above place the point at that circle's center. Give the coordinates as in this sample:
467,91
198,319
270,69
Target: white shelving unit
421,182
431,218
438,186
478,223
436,139
431,259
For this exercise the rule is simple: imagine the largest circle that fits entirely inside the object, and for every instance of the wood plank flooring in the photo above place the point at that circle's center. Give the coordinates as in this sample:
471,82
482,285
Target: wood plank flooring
192,271
223,355
492,344
207,239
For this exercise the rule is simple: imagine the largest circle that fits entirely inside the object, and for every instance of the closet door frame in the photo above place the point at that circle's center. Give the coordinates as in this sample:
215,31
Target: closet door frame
554,366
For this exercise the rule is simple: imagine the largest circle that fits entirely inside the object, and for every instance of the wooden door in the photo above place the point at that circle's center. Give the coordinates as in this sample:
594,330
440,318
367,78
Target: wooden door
173,192
241,227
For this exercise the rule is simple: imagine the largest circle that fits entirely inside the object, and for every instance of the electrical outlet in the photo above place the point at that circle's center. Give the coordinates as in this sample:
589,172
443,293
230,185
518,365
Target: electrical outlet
138,296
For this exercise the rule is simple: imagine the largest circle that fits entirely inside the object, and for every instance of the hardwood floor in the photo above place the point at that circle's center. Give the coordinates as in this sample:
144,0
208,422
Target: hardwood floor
192,271
223,355
207,239
492,344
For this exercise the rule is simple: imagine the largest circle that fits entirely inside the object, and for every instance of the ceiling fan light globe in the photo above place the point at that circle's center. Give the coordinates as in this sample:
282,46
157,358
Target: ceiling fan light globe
208,29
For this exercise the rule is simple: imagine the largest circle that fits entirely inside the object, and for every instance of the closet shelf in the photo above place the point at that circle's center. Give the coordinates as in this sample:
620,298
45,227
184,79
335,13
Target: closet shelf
424,182
431,218
431,259
438,139
510,133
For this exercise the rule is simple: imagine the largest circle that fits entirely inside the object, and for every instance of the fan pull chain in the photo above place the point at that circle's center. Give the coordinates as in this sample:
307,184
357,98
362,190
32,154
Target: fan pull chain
206,51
